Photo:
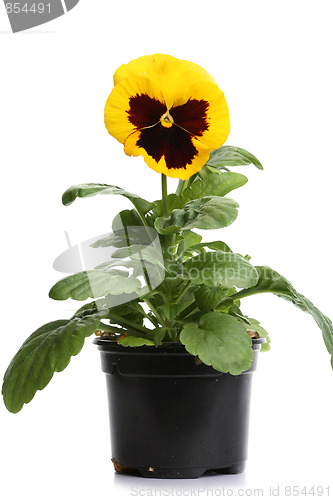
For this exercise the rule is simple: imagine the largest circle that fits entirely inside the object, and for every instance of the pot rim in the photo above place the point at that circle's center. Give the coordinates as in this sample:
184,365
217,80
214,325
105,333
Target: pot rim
108,342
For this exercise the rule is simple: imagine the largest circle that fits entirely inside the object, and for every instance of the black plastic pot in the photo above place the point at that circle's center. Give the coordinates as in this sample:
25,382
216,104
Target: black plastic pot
171,417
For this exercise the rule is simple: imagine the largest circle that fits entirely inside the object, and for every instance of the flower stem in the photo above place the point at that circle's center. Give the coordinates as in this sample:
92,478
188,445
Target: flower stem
154,311
164,194
182,293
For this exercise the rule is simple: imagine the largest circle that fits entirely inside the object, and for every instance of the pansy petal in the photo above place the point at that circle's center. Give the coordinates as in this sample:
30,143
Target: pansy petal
217,113
169,111
118,105
156,65
180,162
169,74
173,87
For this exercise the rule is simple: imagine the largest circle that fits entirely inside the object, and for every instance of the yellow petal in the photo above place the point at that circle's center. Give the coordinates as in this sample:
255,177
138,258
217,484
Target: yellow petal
169,111
118,104
217,112
170,74
155,65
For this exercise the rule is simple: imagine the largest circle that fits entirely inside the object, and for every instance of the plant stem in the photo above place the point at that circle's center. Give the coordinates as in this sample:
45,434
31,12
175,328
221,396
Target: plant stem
114,318
182,185
109,328
168,241
153,309
185,312
172,248
241,295
164,194
143,218
152,320
179,187
182,293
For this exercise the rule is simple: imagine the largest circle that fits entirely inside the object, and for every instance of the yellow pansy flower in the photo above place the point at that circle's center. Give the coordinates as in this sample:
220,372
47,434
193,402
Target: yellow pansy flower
169,111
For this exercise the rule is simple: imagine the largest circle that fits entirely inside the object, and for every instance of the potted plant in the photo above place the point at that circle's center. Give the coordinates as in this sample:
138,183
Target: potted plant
176,347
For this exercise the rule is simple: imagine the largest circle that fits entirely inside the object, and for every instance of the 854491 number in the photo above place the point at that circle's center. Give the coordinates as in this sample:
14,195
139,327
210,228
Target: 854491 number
35,8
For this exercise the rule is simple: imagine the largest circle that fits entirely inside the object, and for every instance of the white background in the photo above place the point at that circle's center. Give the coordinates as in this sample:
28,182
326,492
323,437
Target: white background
273,61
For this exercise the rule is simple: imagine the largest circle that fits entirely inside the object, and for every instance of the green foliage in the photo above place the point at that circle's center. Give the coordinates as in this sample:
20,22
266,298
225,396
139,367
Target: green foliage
192,288
189,239
230,156
48,350
146,253
272,282
173,202
212,245
125,218
112,240
130,341
216,184
202,248
209,212
94,283
255,327
207,298
86,190
220,341
224,269
130,311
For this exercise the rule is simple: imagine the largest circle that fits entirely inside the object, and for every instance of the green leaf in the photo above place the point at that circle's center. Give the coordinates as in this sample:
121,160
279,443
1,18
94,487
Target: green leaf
212,245
128,236
185,241
272,282
112,240
173,201
223,269
159,334
110,265
225,304
189,239
201,248
48,350
230,156
216,184
170,311
130,341
220,341
90,307
125,218
131,311
94,283
85,190
256,327
209,212
235,311
207,298
150,254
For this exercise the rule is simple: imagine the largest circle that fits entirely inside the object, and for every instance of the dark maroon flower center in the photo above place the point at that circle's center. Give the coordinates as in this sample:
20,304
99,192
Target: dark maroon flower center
174,142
